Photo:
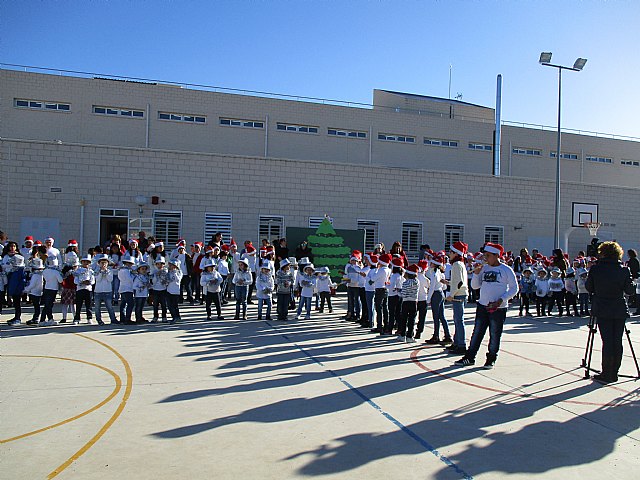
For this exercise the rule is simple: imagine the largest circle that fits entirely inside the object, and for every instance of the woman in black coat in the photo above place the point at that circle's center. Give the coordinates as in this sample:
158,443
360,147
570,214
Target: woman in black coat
607,283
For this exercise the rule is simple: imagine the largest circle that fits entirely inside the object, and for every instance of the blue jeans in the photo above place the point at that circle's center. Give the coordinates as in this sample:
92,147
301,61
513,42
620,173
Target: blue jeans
241,292
115,285
458,320
370,294
437,310
267,302
106,298
140,303
494,321
304,302
126,306
353,301
380,300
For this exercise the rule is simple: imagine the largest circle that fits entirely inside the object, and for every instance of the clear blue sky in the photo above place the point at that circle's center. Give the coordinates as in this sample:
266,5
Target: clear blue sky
344,49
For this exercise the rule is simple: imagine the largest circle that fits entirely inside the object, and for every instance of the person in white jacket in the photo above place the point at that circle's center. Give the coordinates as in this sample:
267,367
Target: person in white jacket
103,292
306,281
52,282
437,288
35,288
242,280
125,289
84,278
264,290
141,284
211,281
457,294
498,284
423,293
173,289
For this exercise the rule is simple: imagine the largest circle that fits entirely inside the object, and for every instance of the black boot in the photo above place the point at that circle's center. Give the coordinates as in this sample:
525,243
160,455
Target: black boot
607,375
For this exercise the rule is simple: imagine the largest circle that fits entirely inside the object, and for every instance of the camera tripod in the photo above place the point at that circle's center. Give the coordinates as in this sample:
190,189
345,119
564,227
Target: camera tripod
586,361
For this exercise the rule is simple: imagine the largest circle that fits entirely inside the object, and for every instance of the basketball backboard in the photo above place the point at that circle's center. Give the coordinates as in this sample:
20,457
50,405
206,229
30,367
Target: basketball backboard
583,213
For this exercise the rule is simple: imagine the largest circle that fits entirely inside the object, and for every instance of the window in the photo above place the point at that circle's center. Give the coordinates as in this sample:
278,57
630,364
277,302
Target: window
314,222
565,155
441,143
593,158
346,133
494,234
370,228
233,122
480,146
296,128
388,137
411,239
118,112
217,222
182,117
631,163
453,233
270,227
167,226
41,105
525,151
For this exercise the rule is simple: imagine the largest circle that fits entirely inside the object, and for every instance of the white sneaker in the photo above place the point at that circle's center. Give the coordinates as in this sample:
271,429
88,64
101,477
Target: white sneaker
297,317
76,322
48,323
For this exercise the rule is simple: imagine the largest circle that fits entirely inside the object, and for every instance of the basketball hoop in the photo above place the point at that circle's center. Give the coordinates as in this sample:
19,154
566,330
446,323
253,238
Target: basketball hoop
593,227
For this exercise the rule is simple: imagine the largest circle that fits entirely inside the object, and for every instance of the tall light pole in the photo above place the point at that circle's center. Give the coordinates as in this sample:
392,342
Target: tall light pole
545,59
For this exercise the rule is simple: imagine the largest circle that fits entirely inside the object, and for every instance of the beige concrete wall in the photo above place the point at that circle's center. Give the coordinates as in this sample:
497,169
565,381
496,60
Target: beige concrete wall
110,177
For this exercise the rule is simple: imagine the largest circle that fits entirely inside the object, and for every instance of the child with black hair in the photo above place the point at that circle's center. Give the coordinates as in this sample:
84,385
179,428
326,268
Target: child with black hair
583,294
542,291
527,289
556,288
571,292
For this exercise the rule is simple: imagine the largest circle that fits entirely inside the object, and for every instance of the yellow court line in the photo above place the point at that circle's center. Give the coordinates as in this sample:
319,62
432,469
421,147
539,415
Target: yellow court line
114,417
115,391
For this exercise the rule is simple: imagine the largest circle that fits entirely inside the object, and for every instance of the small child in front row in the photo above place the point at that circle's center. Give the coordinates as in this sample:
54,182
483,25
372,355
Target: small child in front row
527,288
141,283
52,282
34,289
68,294
542,290
264,289
284,282
571,292
583,294
173,289
556,288
84,278
211,282
409,309
307,282
324,286
242,279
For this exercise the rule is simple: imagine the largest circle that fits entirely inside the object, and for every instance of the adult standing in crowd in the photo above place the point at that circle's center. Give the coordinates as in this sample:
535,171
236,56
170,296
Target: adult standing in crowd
303,251
282,252
520,260
216,240
607,282
558,260
143,242
396,249
497,283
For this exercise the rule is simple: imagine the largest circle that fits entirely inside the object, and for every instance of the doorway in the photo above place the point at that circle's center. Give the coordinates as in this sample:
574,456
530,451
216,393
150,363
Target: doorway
112,222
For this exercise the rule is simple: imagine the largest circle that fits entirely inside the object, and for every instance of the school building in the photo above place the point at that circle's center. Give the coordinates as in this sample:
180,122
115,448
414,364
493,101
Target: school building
84,157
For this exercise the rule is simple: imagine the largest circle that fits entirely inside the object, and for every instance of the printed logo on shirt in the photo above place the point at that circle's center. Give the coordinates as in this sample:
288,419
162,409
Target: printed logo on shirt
492,276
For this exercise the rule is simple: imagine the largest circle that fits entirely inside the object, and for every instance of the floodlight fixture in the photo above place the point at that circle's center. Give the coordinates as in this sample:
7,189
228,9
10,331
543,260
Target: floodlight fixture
545,57
579,64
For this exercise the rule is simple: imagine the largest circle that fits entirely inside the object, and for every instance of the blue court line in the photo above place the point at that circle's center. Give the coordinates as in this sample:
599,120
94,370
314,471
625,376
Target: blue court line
430,448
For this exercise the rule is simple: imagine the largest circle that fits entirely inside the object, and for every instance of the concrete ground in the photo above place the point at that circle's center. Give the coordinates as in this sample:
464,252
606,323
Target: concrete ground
315,398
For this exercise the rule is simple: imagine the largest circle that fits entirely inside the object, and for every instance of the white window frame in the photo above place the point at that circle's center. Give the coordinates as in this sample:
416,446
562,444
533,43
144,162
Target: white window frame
412,251
598,159
497,230
297,128
449,232
166,238
215,222
120,112
565,155
438,142
314,222
480,147
44,105
396,137
181,118
268,221
346,133
367,226
240,123
526,151
630,163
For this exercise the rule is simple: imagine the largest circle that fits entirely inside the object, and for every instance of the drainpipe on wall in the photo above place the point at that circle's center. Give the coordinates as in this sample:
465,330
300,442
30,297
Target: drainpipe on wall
146,139
510,157
266,136
581,166
370,142
83,202
496,150
6,222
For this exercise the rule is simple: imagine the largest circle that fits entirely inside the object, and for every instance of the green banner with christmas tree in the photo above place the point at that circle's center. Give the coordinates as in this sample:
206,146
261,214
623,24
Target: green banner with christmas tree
329,247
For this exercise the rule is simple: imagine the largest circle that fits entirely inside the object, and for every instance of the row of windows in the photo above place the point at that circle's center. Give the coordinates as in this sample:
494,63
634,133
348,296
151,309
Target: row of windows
632,163
441,143
289,127
591,158
525,151
396,138
346,133
480,146
122,112
182,117
235,122
42,105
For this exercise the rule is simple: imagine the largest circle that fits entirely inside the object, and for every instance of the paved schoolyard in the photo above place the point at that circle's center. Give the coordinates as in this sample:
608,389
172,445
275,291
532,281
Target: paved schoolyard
315,398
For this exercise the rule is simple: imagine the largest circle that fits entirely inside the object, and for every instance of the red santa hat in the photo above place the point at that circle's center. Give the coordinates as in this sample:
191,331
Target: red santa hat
28,238
460,248
72,243
423,265
181,242
357,254
385,259
494,248
397,262
233,242
225,248
250,248
438,260
208,249
413,268
37,243
132,242
373,259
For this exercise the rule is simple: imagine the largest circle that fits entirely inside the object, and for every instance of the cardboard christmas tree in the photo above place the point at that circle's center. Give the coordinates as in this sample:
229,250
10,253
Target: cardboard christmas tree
329,249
